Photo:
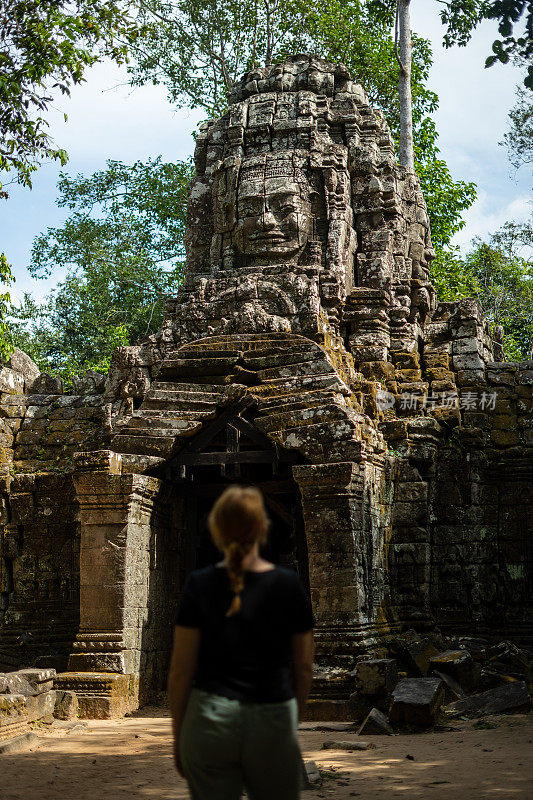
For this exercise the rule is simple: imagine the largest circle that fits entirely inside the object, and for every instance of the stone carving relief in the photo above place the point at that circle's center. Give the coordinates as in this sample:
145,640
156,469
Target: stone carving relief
299,204
274,215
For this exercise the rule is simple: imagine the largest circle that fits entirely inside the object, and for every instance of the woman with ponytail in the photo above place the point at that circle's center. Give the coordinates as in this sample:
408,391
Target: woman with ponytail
241,665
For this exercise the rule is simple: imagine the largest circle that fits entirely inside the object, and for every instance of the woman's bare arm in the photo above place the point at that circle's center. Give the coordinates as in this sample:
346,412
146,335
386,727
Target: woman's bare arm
180,677
303,649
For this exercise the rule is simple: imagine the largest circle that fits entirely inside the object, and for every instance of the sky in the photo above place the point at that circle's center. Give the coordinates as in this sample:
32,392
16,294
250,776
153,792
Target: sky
107,119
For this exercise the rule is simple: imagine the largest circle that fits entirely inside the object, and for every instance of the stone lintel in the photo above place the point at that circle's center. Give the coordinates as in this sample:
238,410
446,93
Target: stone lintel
325,479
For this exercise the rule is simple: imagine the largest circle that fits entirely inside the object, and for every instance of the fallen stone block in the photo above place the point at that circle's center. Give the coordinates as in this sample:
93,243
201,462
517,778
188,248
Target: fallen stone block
46,384
20,362
13,716
459,664
506,699
416,701
350,746
311,775
452,689
476,646
18,743
375,724
359,705
41,705
376,676
17,684
89,383
66,705
508,659
12,704
418,655
42,680
11,382
327,726
78,728
489,679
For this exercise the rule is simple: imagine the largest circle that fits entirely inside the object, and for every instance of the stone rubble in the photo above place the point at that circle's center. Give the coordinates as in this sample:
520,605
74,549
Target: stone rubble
26,696
453,690
348,746
460,682
376,676
66,705
506,699
458,664
416,701
311,776
376,723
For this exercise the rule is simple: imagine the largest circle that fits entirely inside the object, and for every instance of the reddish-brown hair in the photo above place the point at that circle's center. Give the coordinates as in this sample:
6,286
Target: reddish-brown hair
237,520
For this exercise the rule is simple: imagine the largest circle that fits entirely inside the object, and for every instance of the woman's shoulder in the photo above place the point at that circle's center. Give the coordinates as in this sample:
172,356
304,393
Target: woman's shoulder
286,575
205,575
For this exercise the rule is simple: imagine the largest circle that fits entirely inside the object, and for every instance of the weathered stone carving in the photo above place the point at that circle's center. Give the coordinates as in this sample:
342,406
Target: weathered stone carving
273,210
306,352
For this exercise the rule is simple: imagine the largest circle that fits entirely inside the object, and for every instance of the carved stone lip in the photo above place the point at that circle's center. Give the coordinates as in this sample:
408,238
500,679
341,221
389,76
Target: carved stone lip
268,237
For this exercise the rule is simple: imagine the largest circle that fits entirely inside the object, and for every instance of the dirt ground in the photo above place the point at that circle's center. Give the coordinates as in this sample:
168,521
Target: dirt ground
131,758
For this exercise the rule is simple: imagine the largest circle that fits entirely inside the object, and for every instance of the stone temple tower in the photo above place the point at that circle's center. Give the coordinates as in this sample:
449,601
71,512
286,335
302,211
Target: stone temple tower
305,353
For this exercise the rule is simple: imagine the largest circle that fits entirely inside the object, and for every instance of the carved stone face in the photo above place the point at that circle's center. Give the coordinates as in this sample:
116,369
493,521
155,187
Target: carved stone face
274,220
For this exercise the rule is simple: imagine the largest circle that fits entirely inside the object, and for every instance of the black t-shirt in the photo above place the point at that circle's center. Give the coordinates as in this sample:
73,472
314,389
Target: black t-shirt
246,656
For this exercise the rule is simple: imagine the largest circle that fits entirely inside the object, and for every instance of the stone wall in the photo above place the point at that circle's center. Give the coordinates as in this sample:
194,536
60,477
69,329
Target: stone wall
40,539
40,549
462,552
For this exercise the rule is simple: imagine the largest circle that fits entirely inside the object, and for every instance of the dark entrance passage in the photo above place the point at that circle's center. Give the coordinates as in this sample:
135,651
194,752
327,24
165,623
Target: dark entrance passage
286,540
231,449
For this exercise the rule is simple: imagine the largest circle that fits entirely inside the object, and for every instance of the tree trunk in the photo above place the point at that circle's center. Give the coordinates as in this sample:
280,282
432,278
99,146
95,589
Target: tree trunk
403,22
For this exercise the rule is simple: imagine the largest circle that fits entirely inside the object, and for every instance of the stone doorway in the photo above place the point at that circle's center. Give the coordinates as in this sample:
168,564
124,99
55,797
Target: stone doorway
232,450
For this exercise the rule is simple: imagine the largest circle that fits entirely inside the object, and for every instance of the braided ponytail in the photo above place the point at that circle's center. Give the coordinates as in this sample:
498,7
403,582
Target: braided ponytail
237,520
235,554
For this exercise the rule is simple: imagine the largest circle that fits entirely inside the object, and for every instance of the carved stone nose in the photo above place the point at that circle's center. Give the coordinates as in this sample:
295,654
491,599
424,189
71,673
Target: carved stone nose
269,221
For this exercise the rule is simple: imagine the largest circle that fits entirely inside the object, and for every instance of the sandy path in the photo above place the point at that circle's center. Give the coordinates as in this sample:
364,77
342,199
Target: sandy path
132,758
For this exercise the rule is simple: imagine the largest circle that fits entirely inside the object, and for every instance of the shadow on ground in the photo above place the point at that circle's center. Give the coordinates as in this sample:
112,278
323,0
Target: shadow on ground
133,758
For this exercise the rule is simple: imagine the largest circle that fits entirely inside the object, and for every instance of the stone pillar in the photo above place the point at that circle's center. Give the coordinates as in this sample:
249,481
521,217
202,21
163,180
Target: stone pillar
115,513
332,502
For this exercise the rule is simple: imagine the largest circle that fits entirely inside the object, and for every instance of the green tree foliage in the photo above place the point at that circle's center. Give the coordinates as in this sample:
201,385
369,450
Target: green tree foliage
121,251
350,32
519,137
499,273
461,18
450,276
45,47
346,32
6,278
198,49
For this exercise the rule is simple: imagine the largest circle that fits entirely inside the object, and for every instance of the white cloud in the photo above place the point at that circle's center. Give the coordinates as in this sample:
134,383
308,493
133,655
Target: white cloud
474,101
107,118
471,121
481,221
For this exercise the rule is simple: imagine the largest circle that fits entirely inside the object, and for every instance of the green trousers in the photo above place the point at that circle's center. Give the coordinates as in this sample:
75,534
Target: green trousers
227,745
